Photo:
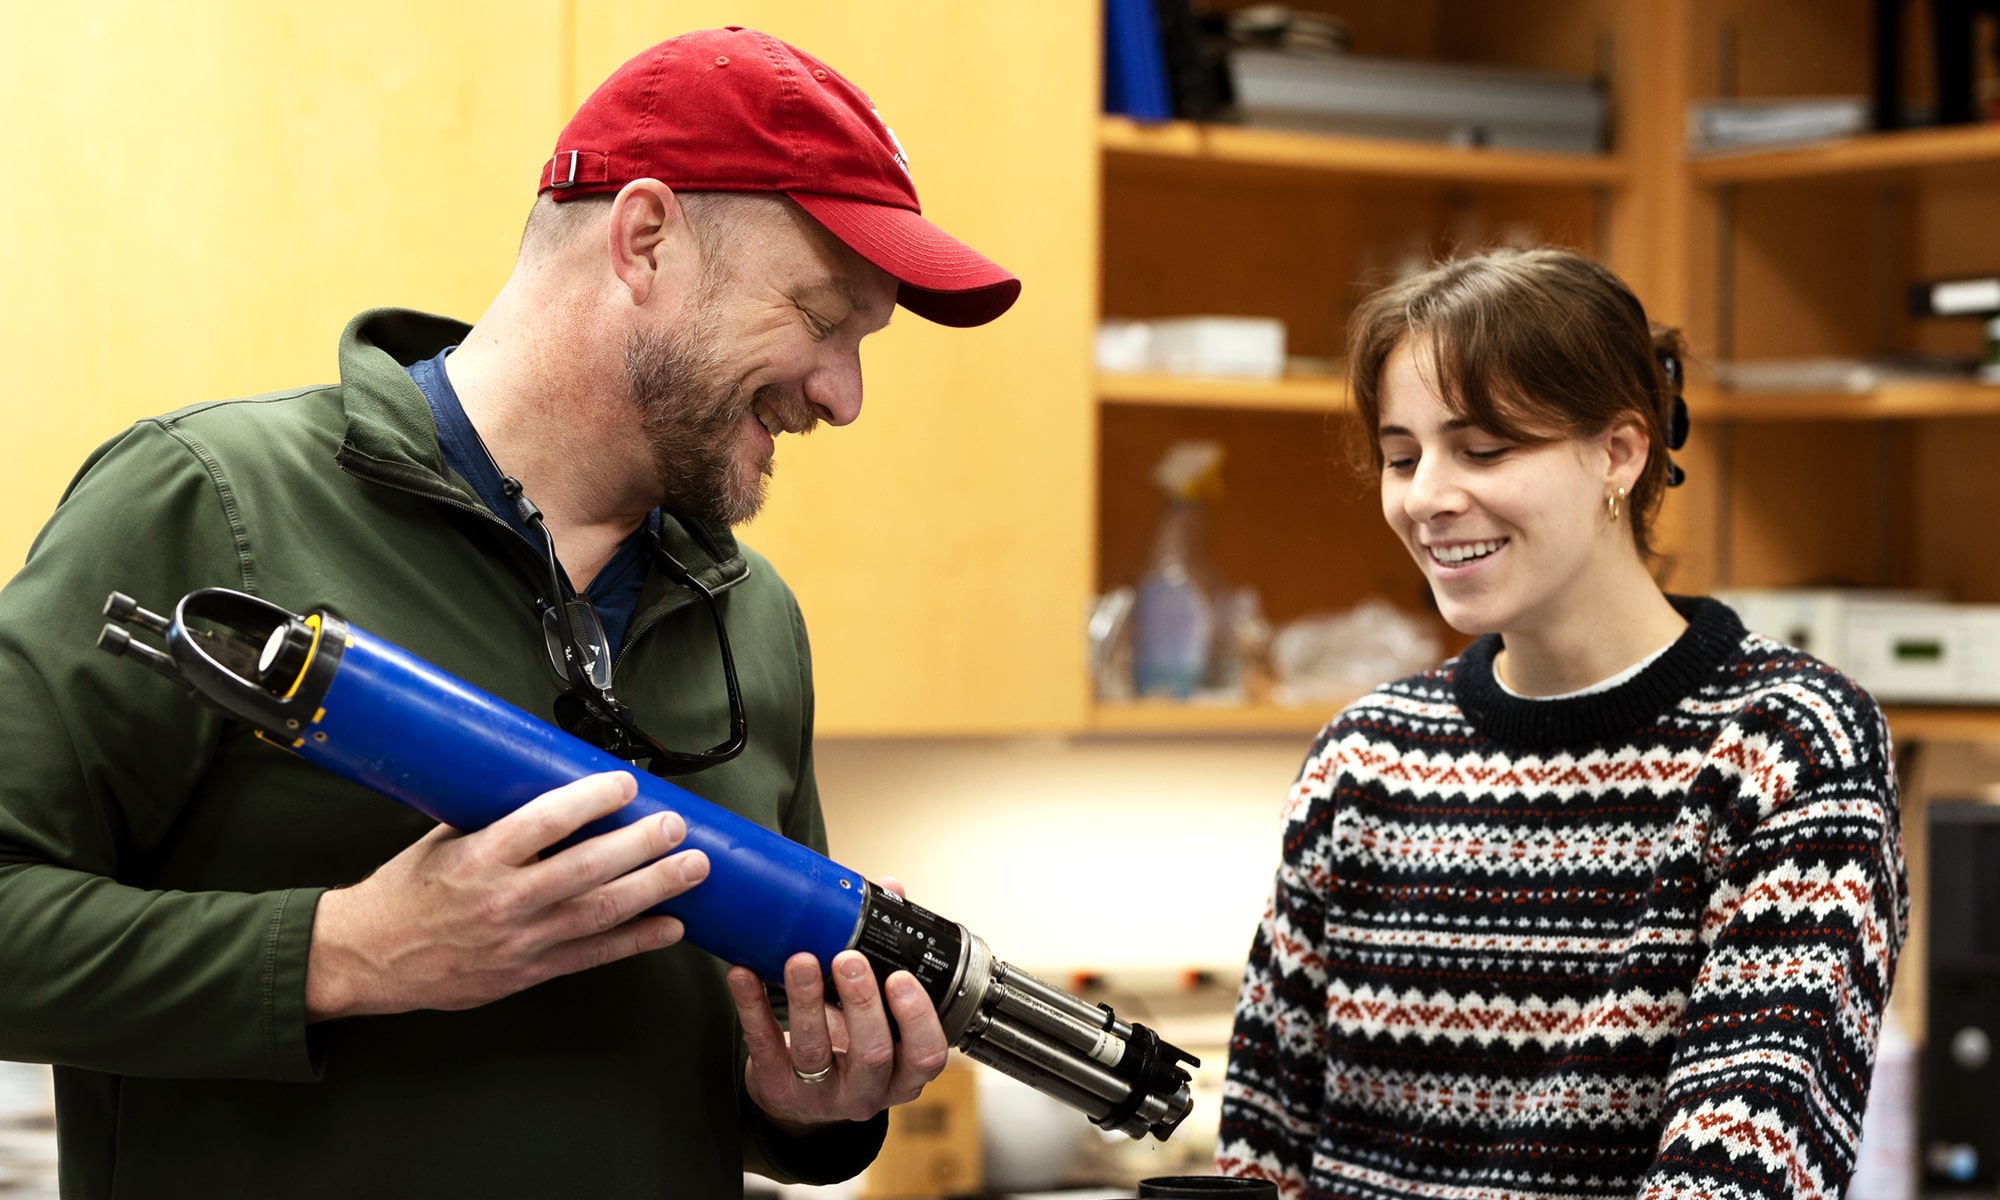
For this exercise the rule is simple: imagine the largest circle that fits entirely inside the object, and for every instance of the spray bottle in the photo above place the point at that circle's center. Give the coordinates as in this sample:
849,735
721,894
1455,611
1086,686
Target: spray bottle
1174,620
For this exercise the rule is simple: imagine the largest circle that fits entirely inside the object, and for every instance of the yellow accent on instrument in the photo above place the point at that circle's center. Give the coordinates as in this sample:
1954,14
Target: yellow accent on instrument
314,623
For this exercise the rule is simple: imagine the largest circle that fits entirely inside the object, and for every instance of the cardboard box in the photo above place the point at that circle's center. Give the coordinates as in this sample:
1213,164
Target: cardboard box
932,1150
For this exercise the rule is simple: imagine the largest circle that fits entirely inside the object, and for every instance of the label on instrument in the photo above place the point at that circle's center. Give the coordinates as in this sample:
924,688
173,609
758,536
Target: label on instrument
897,935
1106,1047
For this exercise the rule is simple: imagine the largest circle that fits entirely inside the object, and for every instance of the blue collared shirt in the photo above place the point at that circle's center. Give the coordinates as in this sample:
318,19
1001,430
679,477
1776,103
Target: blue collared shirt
614,592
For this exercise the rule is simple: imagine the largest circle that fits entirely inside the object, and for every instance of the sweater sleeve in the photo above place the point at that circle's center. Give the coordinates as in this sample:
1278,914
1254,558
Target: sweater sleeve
1771,1069
1275,1086
102,971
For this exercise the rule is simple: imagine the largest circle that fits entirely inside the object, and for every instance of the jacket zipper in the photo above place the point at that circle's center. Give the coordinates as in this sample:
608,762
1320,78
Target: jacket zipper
424,486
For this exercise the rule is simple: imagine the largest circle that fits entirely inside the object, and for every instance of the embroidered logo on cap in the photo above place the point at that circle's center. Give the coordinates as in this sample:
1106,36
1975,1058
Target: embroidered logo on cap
902,159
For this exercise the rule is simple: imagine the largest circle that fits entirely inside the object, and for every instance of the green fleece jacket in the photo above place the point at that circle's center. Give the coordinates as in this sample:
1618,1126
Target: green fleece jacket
160,867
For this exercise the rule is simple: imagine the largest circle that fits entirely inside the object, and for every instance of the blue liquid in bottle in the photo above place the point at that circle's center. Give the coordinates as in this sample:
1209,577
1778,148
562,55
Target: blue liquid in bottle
1173,620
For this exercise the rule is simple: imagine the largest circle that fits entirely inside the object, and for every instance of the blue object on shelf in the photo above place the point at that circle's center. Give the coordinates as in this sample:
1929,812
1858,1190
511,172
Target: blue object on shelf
1173,625
1135,62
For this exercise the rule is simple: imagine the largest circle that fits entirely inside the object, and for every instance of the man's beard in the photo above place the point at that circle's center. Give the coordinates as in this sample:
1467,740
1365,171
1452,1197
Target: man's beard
693,418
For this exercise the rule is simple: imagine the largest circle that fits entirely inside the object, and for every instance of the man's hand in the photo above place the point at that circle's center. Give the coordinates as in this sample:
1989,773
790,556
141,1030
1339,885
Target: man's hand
459,920
867,1069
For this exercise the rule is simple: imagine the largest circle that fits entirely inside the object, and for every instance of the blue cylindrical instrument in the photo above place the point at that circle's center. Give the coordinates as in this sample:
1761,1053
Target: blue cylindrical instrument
394,723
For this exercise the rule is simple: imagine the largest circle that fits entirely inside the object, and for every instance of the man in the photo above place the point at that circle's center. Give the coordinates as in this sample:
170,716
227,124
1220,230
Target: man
257,979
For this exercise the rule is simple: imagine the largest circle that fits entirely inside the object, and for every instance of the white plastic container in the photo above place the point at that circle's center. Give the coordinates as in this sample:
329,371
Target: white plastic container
1237,347
1230,347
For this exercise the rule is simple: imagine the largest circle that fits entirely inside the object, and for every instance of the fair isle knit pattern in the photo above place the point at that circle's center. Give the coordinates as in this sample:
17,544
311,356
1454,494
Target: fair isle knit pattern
1636,943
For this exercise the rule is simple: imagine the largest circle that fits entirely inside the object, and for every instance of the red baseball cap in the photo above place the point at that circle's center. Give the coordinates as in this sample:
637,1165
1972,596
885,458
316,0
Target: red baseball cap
735,110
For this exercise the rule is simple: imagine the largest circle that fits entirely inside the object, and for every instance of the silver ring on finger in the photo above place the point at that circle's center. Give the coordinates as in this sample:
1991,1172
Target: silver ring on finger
818,1076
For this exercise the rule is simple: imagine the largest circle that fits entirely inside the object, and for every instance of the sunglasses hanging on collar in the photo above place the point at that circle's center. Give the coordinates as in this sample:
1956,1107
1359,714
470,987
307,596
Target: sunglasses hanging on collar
580,654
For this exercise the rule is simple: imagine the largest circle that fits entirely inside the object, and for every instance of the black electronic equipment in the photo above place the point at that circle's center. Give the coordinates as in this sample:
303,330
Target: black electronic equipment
1953,44
1960,1117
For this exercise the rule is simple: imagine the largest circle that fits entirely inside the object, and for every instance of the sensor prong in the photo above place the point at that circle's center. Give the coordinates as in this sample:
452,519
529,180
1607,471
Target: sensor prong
113,640
126,611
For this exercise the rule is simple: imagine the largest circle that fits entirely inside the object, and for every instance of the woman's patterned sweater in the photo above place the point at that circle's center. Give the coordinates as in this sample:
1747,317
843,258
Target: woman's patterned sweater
1635,943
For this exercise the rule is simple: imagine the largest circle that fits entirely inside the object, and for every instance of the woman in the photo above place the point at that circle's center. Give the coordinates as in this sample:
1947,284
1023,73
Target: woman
1609,904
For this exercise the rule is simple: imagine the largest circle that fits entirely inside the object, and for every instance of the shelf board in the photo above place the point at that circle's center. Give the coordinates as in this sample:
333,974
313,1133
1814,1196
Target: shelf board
1914,400
1861,155
1290,394
1169,717
1186,143
1919,723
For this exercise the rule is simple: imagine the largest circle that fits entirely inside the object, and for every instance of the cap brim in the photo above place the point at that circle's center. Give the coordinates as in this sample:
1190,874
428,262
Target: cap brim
943,279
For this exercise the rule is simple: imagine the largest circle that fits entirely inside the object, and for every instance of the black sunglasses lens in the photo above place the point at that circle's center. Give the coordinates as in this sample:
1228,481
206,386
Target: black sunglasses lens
586,633
575,716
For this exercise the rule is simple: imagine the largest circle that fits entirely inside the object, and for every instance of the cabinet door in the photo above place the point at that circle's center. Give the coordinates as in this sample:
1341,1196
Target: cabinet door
206,191
940,545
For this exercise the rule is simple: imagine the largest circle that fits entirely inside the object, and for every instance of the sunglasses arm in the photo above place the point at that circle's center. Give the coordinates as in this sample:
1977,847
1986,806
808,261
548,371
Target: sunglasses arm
372,713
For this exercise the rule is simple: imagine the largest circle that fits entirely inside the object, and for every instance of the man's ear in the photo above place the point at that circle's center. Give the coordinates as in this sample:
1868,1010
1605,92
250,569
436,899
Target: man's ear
648,240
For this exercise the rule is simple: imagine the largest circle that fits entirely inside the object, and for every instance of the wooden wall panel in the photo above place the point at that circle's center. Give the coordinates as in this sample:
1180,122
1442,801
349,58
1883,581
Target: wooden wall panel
1305,252
1571,36
1754,48
1957,501
1793,296
1816,505
1176,246
213,188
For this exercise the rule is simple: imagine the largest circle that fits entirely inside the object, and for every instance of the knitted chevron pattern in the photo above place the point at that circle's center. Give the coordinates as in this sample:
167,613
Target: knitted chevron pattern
1636,943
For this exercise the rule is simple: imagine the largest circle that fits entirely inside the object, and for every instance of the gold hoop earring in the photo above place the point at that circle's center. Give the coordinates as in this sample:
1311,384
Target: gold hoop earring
1611,503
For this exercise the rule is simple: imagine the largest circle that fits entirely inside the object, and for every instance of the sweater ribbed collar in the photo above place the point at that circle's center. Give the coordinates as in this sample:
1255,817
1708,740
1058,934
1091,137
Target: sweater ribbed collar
1712,635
